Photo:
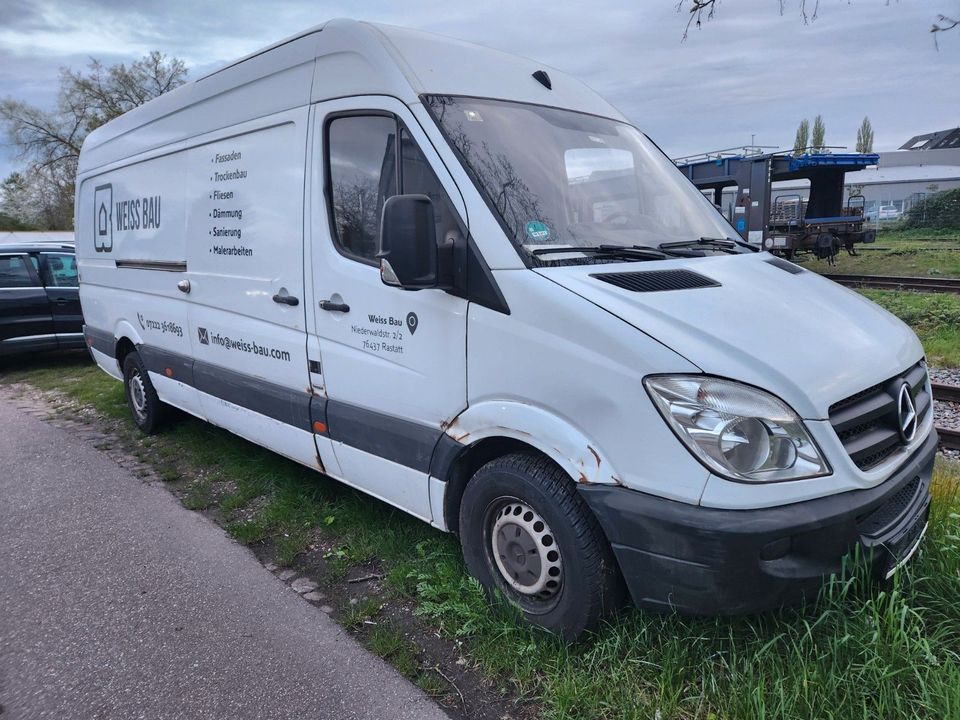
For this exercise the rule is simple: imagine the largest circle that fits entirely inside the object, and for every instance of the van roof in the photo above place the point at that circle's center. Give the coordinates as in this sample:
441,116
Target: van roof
336,59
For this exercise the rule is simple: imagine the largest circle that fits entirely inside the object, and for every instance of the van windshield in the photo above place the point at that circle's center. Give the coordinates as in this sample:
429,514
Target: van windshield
559,178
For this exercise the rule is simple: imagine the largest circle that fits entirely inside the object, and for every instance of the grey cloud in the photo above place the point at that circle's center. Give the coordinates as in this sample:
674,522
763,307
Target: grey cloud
749,70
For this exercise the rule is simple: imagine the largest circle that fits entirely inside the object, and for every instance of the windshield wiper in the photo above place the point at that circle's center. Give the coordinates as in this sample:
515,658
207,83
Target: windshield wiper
725,244
637,252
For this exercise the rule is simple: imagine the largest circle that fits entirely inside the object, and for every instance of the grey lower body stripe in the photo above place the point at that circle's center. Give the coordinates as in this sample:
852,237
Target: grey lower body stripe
275,401
100,340
160,361
401,441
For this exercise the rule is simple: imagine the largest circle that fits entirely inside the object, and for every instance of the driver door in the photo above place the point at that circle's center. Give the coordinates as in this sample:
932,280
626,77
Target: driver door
394,361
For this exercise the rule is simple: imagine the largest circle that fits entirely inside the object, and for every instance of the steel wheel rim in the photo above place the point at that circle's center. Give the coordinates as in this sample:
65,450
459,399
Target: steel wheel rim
138,395
524,550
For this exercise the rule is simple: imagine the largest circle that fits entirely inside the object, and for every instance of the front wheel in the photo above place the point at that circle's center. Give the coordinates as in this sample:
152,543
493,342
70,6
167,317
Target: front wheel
148,412
526,533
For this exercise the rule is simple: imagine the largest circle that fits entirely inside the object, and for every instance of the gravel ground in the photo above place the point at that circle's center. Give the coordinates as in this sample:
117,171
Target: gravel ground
946,414
947,376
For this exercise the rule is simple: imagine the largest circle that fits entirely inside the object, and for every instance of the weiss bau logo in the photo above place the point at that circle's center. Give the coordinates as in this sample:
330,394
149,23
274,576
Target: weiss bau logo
142,213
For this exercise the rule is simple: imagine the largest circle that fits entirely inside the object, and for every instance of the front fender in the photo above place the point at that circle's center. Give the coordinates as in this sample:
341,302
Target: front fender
579,455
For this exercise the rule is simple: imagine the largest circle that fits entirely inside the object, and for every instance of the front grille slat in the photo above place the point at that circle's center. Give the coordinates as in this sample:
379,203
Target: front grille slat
917,376
872,441
922,401
868,409
867,422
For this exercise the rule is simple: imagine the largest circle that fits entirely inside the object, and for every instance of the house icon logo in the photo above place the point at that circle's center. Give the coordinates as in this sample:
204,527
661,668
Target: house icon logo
103,218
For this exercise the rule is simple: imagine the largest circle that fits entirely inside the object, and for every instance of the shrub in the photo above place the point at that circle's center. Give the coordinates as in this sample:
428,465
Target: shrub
937,211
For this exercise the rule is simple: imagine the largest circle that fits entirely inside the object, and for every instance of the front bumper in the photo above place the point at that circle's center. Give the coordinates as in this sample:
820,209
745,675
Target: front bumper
705,561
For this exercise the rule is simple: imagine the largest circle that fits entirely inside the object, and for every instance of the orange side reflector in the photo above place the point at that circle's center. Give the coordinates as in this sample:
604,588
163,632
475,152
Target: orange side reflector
319,427
168,372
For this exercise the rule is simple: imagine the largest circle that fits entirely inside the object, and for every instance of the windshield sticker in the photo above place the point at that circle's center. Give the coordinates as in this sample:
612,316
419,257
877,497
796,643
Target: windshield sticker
537,230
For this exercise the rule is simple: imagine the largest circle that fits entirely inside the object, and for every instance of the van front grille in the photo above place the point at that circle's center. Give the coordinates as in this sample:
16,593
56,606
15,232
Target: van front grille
868,422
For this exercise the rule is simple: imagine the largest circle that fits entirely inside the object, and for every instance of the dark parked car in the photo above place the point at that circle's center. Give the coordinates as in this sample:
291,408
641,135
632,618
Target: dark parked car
39,298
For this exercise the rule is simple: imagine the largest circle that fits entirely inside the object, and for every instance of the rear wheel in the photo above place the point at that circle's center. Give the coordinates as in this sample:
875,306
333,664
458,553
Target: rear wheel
148,412
526,533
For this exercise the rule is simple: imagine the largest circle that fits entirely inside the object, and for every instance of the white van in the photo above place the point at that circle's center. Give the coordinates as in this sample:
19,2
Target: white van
463,283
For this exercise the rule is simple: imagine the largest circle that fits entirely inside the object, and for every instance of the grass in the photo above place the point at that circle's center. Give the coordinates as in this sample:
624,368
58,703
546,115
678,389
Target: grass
861,652
918,252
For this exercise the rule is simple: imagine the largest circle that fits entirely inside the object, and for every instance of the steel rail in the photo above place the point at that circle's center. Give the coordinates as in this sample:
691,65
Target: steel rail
949,438
898,282
946,393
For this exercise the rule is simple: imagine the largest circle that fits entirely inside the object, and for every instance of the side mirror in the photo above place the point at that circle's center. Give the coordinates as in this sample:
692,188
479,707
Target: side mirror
409,256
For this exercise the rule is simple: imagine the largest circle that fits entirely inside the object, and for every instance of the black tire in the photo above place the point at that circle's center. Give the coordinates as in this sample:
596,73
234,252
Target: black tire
149,414
553,516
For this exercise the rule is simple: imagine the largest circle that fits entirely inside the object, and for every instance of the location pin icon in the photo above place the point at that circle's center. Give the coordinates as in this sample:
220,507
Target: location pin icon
412,322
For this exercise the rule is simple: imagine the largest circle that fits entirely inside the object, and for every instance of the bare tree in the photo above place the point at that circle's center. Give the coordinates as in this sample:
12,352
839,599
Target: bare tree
865,137
48,142
109,92
34,200
942,24
700,10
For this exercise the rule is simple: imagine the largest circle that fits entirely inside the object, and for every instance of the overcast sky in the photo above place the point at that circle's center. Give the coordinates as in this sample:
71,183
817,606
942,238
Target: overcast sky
747,71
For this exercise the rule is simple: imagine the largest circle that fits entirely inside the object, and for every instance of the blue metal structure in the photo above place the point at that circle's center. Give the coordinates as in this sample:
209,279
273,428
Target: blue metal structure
822,223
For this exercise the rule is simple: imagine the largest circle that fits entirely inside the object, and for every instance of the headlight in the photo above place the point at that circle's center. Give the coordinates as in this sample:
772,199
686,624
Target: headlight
737,431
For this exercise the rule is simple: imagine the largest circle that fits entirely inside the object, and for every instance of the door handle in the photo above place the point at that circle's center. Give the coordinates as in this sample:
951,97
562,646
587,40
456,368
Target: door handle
286,299
62,301
331,306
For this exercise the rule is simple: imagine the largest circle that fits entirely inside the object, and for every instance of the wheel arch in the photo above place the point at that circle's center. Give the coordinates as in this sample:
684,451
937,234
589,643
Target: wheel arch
490,430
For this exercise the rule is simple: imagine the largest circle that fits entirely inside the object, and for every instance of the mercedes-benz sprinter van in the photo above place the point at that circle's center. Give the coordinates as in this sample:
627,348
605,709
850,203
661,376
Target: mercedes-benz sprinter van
465,284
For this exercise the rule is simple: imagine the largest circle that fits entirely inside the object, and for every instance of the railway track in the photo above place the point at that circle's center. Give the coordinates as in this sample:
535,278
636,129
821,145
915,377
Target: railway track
898,282
949,437
946,393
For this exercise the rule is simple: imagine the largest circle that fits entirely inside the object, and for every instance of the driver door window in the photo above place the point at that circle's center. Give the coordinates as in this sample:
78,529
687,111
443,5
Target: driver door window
363,157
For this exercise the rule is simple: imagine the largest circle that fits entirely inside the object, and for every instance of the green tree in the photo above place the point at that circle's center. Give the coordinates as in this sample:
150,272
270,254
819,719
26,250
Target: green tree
865,137
802,139
816,138
48,142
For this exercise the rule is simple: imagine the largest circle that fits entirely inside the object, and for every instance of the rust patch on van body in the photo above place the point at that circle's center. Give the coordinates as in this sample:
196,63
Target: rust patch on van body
595,454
